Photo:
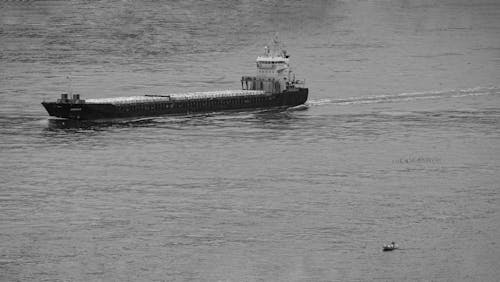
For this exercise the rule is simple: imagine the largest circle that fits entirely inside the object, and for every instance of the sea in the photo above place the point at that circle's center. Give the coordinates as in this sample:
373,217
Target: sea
399,141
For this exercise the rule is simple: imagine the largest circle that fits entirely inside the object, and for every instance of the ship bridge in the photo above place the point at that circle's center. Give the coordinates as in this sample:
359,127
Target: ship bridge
273,71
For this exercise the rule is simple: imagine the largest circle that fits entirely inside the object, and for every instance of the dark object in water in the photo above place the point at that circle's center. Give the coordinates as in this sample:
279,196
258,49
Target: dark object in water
390,247
273,86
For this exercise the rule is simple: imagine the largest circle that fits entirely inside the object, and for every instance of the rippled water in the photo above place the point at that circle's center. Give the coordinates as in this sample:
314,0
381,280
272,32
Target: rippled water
399,141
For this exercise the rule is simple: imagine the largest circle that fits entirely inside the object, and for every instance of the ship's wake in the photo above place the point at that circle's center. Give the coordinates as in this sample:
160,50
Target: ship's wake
408,96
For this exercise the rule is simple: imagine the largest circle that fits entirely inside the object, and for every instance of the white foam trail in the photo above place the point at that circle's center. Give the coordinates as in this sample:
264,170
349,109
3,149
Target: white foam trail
319,102
409,96
298,108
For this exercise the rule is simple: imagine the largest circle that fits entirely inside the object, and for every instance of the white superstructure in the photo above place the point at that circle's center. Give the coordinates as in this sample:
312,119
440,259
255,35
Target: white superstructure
274,73
275,62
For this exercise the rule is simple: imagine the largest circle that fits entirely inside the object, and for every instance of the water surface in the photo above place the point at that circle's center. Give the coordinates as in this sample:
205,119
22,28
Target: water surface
399,142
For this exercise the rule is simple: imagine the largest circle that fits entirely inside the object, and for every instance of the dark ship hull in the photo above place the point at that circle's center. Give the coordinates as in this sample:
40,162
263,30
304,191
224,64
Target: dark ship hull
167,105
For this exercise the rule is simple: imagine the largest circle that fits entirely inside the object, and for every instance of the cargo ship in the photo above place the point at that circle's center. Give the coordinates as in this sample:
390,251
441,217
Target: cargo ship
273,86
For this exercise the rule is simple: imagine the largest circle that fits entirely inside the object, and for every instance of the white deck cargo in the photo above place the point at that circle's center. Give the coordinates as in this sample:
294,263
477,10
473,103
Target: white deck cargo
175,97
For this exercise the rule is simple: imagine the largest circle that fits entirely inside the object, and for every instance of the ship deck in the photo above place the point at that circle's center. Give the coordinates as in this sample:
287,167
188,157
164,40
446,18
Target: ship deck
174,97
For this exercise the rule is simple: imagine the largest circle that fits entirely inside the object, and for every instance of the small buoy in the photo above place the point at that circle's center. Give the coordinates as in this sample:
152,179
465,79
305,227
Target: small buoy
390,247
